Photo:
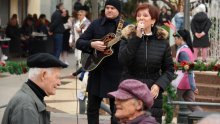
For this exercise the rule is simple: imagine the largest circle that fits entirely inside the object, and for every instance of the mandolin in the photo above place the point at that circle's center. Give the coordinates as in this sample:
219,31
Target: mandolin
91,61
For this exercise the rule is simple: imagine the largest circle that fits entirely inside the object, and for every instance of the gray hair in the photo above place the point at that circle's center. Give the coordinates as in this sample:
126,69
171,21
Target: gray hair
34,72
211,119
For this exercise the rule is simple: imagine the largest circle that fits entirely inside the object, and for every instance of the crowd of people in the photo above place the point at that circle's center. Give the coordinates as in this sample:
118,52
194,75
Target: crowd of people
133,77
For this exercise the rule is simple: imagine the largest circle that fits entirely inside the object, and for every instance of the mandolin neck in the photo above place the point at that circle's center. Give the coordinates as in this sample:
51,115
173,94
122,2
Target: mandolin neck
114,41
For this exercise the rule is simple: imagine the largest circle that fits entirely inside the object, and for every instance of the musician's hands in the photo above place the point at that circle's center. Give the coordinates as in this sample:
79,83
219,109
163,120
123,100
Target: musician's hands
140,29
155,90
98,45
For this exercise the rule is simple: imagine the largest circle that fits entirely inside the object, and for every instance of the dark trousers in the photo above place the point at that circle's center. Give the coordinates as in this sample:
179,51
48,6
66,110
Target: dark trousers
189,96
58,44
93,109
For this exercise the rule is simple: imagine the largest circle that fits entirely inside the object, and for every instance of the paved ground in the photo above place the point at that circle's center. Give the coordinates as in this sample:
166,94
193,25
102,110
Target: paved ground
63,105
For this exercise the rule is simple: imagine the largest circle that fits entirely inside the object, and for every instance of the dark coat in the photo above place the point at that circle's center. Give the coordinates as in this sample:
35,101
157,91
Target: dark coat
26,108
13,32
56,25
105,78
149,60
163,18
201,23
66,36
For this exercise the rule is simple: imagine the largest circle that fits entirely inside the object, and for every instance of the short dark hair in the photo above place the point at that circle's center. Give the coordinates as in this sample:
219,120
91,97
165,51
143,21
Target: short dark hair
58,5
153,10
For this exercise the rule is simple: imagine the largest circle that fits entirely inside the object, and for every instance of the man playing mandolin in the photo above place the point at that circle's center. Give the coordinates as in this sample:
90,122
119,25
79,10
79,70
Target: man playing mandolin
105,77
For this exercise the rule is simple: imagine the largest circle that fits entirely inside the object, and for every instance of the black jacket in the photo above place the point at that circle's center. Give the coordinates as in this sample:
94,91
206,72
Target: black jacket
163,18
56,25
149,60
201,23
13,32
105,78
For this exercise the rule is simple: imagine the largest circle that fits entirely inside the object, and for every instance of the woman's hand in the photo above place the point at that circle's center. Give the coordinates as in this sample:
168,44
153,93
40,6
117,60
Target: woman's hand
155,91
199,35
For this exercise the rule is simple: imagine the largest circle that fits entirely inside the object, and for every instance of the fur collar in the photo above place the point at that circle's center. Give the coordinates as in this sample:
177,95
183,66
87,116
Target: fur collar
130,30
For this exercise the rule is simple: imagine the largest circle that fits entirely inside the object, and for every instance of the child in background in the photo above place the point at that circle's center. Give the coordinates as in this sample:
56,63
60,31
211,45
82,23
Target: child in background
185,53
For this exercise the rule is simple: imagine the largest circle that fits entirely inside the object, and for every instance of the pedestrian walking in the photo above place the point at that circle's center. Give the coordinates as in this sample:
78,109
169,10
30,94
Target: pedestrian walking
187,86
56,29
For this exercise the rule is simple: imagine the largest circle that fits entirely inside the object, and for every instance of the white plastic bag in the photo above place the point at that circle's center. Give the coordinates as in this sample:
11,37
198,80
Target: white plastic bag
175,82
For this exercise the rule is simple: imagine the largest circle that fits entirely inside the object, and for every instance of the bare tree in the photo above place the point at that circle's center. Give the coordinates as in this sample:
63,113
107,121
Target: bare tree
95,10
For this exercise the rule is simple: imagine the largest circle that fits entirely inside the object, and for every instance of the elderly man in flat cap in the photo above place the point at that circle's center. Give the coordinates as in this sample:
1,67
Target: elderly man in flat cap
133,99
28,106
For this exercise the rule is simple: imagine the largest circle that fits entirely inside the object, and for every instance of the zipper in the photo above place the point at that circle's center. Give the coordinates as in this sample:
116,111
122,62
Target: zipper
145,39
146,62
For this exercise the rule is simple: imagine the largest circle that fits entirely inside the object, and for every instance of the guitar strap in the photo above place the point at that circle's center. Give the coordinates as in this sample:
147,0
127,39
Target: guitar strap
120,26
118,32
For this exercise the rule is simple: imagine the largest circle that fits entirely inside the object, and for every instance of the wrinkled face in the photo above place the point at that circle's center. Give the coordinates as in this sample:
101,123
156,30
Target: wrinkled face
81,14
144,16
126,109
111,12
51,81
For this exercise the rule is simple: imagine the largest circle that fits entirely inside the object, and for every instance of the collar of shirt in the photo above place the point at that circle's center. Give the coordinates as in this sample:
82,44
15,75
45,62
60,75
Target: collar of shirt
36,89
138,119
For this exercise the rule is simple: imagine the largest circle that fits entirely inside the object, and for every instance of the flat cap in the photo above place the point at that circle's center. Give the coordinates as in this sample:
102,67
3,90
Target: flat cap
44,60
131,88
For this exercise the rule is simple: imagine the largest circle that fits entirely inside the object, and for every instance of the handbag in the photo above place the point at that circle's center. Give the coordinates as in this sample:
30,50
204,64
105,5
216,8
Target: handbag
181,81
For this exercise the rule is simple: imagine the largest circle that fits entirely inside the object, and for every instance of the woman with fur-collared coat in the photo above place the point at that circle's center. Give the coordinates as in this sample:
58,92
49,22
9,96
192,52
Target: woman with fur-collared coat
146,55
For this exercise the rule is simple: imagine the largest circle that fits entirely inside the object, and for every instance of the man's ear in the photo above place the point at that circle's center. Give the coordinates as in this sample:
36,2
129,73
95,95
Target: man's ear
139,105
43,75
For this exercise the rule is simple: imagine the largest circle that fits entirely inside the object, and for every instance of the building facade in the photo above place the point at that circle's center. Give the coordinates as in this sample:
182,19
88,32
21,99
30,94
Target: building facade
24,7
